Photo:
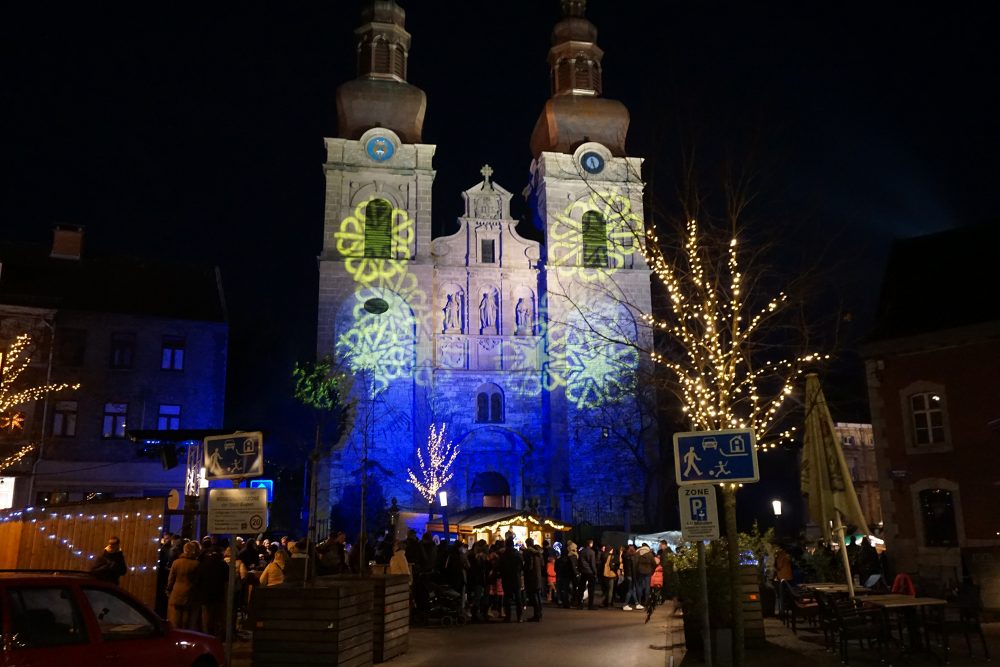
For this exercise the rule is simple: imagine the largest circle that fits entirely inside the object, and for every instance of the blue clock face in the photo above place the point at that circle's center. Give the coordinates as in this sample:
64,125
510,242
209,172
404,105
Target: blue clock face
379,149
592,162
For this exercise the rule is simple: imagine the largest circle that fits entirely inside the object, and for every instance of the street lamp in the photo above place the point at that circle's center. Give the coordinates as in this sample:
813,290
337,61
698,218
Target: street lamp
776,506
443,499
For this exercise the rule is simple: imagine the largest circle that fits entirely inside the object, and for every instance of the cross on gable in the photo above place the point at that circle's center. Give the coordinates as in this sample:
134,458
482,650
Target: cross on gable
486,171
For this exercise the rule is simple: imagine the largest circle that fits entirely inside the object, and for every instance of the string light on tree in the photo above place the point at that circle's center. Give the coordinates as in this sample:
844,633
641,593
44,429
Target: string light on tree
15,457
717,375
435,465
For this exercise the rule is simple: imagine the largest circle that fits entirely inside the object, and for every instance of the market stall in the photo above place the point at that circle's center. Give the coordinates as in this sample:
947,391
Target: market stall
491,524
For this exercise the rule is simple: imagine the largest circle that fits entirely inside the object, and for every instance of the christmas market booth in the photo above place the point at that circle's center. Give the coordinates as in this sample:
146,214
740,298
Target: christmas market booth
491,524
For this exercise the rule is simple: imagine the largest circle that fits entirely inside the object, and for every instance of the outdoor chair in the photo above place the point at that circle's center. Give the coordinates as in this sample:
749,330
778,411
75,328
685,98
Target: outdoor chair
961,616
795,606
853,622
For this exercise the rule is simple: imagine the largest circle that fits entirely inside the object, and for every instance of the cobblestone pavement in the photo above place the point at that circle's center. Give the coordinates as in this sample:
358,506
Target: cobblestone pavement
614,638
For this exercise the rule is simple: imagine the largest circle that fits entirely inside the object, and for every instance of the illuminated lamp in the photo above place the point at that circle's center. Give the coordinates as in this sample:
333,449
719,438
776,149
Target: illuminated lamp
776,506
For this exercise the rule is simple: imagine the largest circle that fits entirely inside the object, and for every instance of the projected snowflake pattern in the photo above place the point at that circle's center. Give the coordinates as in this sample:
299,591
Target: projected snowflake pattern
351,245
380,343
624,228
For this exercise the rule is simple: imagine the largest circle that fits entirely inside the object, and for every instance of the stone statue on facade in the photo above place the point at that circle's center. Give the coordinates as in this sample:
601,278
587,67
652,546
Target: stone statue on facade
488,312
451,312
522,316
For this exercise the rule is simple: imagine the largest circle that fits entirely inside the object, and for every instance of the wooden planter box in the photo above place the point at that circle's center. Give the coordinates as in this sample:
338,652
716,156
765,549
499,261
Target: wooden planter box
753,623
326,624
391,612
391,628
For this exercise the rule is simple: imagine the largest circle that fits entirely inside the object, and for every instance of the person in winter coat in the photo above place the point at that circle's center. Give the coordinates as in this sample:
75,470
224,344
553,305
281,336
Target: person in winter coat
478,581
398,563
568,569
110,565
611,568
588,572
456,569
510,565
534,578
213,580
645,563
182,589
629,557
274,573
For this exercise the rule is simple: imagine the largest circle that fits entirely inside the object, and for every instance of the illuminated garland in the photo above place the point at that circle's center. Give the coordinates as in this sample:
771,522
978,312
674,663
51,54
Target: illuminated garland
15,457
435,468
718,382
523,518
23,516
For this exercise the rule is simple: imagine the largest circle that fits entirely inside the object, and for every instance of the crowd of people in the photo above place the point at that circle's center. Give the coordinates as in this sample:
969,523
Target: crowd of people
501,581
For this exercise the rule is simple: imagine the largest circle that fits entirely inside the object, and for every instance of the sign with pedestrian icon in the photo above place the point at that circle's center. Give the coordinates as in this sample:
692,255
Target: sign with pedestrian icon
699,512
715,456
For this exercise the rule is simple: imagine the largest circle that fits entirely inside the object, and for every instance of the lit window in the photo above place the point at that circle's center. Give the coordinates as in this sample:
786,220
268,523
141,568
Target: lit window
114,420
169,418
64,419
122,350
172,356
595,240
378,229
489,405
928,418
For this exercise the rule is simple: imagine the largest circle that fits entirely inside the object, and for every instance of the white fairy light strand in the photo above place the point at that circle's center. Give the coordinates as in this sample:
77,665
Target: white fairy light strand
435,468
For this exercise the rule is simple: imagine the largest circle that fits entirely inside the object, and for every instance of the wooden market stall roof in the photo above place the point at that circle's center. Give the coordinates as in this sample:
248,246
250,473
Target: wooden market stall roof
492,519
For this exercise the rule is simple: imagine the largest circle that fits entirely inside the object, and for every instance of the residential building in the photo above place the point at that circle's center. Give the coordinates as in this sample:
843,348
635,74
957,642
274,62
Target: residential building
932,365
146,342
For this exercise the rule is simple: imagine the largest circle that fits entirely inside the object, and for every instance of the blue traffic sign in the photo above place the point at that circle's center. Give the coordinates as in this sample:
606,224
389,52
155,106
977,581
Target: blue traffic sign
715,456
234,456
264,484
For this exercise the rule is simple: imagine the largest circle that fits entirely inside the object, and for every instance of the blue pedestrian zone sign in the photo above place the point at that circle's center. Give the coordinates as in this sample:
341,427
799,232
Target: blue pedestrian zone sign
264,484
715,456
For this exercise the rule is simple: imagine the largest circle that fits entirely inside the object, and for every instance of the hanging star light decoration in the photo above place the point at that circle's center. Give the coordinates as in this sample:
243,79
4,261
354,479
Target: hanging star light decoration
15,360
435,467
720,382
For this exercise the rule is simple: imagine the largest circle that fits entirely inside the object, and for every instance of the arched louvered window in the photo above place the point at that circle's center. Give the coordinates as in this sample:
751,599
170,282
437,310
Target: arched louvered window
489,404
595,240
378,229
381,57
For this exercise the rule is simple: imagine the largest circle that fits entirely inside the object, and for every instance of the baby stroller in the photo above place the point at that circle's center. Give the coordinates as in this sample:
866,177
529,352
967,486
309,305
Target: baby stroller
443,605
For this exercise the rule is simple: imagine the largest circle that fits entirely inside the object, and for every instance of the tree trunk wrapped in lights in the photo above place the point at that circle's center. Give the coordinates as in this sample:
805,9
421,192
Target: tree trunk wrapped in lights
15,360
434,466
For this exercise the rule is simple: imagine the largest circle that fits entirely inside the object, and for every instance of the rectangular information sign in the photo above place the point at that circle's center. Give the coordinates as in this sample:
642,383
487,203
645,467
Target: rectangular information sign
237,511
699,512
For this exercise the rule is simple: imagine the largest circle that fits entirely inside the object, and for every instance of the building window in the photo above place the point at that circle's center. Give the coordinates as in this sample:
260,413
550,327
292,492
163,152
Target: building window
489,405
122,350
928,419
114,420
488,251
937,509
595,240
169,418
172,356
71,345
378,229
64,419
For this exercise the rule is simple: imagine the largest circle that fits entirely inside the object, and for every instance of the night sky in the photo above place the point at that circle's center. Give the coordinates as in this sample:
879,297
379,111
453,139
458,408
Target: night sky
195,133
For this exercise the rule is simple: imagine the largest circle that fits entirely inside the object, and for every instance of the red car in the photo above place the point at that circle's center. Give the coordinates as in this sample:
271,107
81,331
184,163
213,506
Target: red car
73,620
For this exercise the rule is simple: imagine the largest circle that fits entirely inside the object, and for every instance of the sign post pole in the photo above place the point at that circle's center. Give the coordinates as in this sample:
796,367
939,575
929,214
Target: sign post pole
706,627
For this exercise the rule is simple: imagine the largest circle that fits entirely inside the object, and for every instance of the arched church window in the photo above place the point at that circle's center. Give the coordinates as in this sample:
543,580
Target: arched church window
381,58
489,404
378,229
595,240
938,509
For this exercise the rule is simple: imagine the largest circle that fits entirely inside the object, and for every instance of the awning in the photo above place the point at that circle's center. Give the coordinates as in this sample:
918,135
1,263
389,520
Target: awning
489,519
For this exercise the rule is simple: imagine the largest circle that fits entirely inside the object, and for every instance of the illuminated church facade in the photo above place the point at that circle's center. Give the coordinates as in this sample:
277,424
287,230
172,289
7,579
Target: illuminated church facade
530,354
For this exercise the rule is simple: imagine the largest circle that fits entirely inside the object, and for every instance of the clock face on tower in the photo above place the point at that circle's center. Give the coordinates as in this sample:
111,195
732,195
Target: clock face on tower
592,162
379,149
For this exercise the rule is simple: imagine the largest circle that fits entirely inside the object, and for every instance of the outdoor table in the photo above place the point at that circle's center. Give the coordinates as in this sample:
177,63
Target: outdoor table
909,606
835,589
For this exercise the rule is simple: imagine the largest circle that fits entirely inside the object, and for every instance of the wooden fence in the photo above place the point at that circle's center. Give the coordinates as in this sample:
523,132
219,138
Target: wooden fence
72,536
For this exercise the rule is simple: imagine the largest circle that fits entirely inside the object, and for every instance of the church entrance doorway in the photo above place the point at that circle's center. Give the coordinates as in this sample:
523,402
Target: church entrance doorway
490,489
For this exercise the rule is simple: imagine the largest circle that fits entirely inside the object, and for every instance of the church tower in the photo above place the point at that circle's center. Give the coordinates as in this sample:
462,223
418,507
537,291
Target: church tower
374,270
586,195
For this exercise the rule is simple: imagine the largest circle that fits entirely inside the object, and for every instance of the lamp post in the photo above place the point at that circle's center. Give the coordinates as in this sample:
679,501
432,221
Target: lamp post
776,508
443,499
375,306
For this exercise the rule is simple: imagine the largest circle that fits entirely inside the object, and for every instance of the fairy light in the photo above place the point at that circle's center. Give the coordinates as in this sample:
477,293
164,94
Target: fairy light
720,383
435,467
15,360
41,514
